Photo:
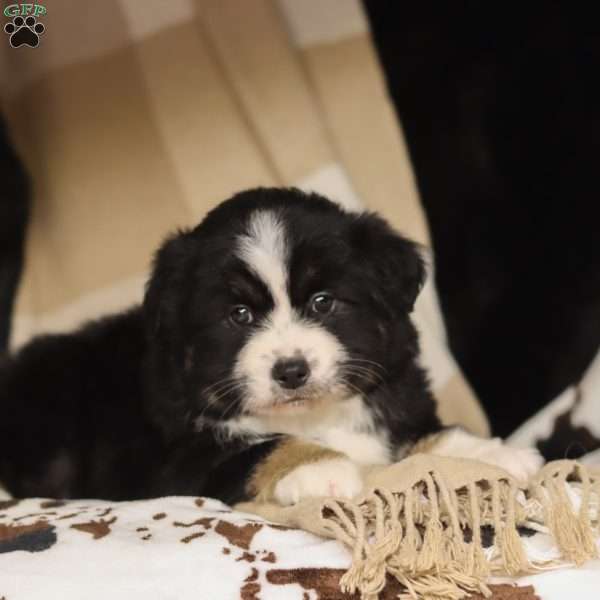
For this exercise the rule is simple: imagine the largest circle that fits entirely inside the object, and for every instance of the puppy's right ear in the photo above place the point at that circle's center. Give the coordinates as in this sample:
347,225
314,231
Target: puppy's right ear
168,276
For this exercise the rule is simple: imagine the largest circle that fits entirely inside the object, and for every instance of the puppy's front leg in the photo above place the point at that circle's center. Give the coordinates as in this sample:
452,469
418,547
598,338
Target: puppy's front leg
296,470
521,463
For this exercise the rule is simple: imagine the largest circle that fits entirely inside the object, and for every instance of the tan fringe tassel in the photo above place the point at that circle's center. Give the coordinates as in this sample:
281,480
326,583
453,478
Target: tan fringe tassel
573,533
432,549
478,563
507,536
417,535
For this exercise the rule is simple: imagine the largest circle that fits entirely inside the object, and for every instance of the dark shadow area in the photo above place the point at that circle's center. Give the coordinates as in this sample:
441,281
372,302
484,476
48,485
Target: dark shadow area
501,110
14,211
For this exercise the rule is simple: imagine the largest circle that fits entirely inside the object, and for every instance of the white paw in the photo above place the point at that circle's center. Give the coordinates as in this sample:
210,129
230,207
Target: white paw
521,463
338,477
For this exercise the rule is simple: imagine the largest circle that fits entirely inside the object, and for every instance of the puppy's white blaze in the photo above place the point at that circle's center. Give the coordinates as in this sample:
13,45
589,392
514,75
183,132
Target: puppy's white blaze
284,333
264,249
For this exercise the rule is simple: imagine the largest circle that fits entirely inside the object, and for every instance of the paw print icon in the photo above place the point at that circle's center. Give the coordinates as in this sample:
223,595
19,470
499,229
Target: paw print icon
24,32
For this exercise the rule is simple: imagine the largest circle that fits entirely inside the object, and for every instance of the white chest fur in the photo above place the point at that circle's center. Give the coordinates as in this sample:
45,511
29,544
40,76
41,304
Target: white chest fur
345,426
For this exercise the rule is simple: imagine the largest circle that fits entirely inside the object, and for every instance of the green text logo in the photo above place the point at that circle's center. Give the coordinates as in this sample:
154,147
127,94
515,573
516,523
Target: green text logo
21,10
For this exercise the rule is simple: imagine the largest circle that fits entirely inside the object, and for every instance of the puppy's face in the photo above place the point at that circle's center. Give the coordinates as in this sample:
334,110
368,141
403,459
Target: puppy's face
289,355
278,302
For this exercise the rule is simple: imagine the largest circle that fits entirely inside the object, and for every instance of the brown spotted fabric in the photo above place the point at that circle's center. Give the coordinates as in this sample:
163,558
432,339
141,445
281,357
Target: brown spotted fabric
179,548
198,549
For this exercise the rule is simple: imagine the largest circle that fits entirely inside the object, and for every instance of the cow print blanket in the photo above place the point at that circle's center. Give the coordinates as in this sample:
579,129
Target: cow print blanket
182,549
170,548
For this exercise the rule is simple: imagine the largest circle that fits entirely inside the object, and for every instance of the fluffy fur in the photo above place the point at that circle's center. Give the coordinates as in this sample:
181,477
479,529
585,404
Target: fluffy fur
184,394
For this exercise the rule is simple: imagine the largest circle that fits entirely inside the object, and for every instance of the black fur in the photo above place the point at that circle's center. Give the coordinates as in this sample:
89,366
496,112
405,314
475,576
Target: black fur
110,410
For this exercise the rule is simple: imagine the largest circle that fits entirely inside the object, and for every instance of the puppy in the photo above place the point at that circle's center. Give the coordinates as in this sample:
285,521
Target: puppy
272,357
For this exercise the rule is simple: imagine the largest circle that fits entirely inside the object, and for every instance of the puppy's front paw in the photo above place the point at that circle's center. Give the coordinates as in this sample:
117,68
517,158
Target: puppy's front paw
338,477
521,463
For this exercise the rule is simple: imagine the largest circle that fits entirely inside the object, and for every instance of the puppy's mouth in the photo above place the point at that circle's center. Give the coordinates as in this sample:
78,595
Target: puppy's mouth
288,405
299,401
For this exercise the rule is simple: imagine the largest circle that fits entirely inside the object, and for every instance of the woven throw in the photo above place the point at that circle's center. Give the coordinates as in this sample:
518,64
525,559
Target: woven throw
423,520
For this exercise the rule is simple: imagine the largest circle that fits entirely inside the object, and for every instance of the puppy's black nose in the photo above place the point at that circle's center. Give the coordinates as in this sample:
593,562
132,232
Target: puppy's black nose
290,373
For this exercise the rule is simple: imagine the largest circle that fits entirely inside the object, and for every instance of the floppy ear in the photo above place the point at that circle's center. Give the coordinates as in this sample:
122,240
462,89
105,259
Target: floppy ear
395,260
168,274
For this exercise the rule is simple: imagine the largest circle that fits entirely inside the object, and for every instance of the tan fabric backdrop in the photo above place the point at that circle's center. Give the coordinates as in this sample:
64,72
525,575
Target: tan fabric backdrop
135,117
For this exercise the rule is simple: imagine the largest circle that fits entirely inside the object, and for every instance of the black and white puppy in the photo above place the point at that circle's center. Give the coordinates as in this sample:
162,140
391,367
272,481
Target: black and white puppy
279,317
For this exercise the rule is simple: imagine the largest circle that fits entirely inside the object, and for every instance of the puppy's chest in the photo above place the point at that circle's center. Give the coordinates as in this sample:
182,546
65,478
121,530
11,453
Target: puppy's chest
347,427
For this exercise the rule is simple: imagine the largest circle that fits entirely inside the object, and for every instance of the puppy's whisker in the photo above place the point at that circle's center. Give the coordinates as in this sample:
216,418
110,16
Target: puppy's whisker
358,377
364,364
366,371
352,386
222,397
353,359
364,374
225,380
218,390
225,392
229,407
226,386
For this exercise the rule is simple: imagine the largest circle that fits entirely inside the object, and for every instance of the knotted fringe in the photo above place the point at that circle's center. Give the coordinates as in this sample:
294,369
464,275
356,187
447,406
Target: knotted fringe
428,535
570,526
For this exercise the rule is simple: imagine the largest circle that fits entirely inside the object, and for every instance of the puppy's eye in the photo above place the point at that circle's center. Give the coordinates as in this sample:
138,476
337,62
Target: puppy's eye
322,303
241,315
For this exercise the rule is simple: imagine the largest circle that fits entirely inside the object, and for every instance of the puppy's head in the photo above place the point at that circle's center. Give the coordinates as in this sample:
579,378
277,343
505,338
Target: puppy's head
276,302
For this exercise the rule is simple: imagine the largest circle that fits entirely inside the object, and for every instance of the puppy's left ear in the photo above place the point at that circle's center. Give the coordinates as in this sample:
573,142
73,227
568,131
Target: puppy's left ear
395,261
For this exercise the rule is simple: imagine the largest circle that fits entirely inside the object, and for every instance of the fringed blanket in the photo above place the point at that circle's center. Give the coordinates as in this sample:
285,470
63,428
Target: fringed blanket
422,522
